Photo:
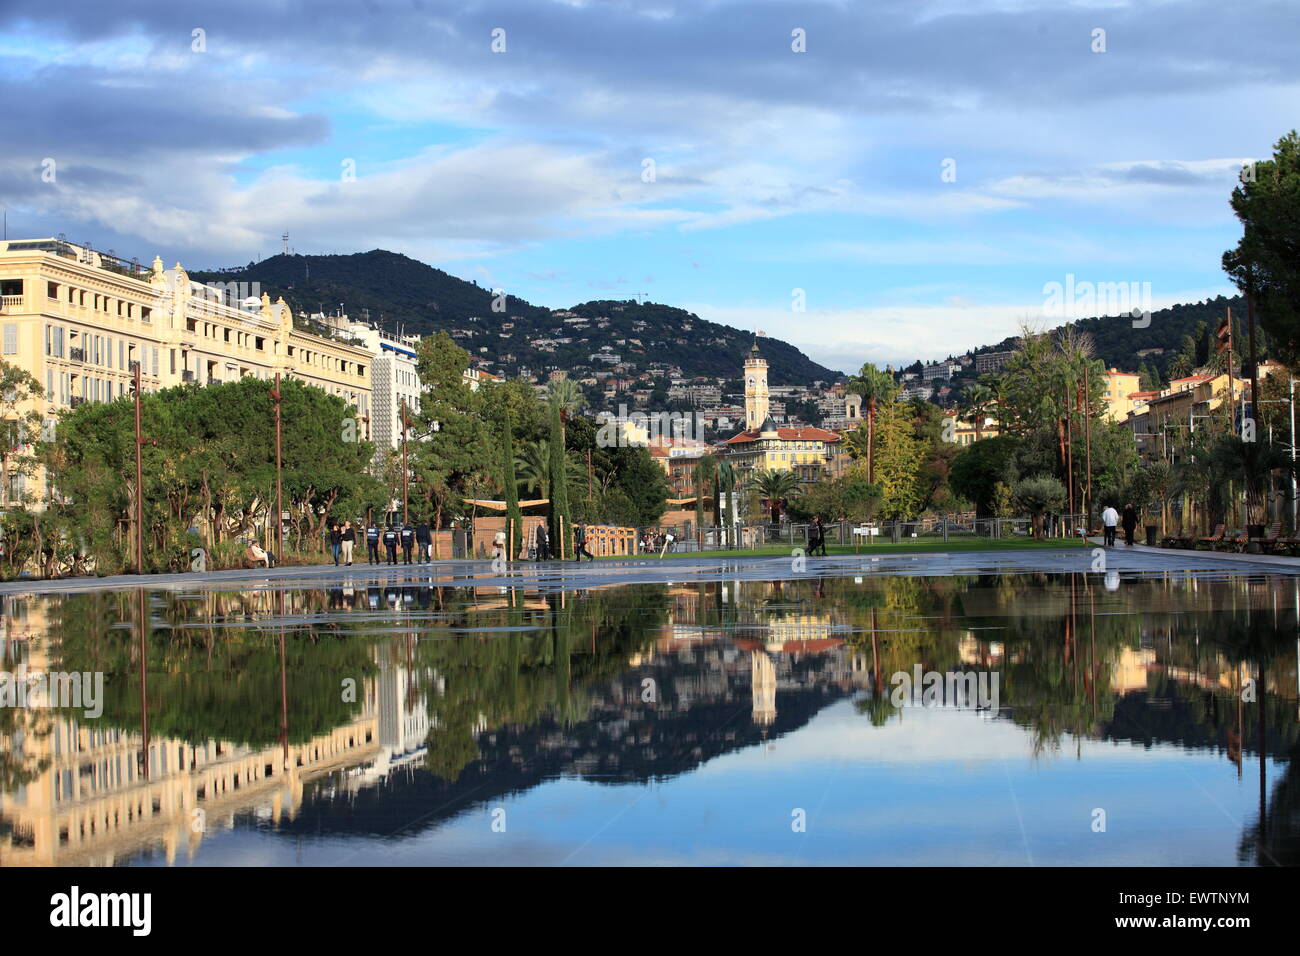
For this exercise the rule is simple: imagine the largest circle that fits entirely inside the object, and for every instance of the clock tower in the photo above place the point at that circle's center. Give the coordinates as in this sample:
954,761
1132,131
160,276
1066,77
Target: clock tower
755,389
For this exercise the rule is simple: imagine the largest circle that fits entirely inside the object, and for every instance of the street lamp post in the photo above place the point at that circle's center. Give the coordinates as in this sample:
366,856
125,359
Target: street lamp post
279,492
139,476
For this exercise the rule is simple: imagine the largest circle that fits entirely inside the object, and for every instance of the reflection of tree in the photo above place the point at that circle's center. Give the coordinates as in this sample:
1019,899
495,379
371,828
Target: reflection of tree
210,682
516,677
1274,838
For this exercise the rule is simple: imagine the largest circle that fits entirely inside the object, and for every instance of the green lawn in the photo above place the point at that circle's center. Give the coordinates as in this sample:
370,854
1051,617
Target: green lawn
915,546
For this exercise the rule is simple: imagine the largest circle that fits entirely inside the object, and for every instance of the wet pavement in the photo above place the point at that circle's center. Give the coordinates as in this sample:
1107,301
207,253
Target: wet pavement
972,708
552,575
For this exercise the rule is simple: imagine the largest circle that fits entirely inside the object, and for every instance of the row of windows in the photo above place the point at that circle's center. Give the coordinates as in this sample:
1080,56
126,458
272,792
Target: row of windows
95,349
326,361
98,302
247,340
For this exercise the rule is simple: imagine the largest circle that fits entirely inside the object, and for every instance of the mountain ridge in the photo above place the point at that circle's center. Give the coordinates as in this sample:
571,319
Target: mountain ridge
396,291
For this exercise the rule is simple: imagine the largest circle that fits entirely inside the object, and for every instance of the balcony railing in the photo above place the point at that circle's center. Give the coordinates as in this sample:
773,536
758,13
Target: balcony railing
11,303
76,354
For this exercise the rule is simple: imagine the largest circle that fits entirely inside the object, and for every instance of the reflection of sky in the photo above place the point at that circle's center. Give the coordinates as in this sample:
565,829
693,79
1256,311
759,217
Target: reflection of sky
935,788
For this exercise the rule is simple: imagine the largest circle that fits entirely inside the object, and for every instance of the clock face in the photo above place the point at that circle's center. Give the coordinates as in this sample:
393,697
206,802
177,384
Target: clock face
751,383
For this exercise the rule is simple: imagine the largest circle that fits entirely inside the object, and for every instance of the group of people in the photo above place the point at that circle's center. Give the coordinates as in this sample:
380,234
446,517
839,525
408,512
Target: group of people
542,544
1110,519
409,538
655,542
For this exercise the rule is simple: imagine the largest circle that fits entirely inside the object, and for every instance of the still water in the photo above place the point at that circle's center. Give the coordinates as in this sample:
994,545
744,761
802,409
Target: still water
719,722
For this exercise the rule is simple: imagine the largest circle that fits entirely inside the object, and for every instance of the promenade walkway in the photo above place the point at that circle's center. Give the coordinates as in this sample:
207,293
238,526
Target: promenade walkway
568,575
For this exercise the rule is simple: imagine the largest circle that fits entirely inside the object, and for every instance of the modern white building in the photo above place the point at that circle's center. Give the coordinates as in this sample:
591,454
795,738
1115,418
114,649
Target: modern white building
394,378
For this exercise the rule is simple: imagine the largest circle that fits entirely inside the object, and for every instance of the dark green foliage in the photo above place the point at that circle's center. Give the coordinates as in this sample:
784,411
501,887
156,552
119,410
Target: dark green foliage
402,292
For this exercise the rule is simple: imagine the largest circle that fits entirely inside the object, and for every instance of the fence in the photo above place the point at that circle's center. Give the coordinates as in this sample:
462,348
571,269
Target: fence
936,529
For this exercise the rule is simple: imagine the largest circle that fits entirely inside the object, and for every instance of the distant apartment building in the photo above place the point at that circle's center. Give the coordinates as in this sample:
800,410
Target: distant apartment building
79,320
991,361
940,371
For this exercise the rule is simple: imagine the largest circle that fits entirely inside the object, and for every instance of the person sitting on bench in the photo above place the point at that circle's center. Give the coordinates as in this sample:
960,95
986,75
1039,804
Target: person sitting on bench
254,555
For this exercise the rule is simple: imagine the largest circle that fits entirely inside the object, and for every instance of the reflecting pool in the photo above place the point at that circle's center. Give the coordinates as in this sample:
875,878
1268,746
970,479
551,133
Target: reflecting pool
981,719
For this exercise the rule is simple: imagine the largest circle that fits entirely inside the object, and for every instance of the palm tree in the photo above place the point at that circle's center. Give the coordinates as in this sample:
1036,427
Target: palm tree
531,464
978,399
566,395
1250,463
874,386
725,482
705,471
775,486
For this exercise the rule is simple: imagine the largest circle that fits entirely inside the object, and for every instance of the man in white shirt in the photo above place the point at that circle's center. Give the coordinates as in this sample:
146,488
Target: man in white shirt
1109,519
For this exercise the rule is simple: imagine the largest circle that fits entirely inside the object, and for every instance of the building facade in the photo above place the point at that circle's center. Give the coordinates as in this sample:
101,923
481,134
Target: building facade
79,321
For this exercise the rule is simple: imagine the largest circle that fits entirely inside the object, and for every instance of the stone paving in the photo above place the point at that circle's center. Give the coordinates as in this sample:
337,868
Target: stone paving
556,575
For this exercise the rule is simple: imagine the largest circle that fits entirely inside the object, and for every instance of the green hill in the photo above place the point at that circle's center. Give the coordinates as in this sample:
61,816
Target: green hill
396,291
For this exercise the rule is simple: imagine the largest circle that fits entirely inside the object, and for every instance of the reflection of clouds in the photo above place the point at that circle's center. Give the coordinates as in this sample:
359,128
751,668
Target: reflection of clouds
923,735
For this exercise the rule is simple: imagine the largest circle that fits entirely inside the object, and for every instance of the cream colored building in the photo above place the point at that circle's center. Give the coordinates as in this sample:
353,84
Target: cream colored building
78,319
1119,392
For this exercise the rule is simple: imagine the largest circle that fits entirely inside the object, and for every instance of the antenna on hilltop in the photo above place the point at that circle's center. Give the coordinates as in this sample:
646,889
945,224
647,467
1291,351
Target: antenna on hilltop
284,237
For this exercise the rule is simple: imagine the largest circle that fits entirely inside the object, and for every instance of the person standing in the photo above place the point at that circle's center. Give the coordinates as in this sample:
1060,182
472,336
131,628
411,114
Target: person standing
408,541
423,539
347,538
543,543
336,542
1109,519
499,545
390,543
580,543
372,543
1130,523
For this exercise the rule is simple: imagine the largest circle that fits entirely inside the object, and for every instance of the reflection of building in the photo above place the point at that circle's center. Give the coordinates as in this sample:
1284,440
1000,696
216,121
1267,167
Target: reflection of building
91,803
763,688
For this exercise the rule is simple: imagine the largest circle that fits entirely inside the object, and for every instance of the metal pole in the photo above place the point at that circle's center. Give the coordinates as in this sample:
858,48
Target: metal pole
406,473
139,480
279,465
1293,488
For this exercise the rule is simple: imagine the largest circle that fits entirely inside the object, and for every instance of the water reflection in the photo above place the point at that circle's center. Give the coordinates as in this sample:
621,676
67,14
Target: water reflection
243,723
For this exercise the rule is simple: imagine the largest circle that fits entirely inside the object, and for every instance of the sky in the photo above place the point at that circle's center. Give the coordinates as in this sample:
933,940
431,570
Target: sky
872,181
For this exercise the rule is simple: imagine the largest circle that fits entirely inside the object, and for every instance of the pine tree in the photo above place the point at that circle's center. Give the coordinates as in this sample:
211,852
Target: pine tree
514,519
560,522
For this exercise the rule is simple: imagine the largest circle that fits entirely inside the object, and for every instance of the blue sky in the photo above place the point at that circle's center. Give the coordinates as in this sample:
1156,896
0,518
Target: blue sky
774,170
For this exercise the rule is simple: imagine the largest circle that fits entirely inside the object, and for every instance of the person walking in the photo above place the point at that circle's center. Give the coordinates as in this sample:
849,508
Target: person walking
1109,519
580,543
390,543
347,538
543,543
1129,522
408,542
372,543
816,536
336,542
423,539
